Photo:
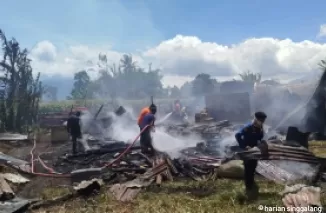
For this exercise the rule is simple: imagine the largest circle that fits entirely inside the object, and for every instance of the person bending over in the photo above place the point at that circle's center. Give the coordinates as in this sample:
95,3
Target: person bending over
248,137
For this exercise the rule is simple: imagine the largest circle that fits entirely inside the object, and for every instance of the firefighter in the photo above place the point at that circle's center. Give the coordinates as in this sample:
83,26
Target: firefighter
248,137
177,106
74,129
145,137
184,115
176,112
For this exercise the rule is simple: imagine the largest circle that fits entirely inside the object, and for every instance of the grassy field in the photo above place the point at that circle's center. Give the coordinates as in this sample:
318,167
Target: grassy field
178,197
222,195
65,105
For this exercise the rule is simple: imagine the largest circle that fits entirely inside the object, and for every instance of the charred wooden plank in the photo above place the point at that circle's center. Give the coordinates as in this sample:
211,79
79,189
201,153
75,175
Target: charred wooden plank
158,179
173,169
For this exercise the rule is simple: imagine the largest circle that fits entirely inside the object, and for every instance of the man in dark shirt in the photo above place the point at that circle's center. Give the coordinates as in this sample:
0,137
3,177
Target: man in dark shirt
74,129
248,137
145,136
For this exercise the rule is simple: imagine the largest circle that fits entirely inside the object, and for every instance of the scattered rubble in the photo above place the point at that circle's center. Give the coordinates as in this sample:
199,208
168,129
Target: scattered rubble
127,171
302,197
6,192
15,205
14,178
12,137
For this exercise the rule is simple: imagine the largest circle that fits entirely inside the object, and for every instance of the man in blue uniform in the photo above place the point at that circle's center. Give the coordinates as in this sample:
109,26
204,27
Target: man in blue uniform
145,137
248,137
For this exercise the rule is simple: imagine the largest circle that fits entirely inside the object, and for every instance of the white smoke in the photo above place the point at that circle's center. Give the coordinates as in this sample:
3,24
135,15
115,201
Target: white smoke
164,142
125,128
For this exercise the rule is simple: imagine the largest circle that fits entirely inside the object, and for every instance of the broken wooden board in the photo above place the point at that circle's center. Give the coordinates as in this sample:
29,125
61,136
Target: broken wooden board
15,163
6,192
129,190
12,137
14,178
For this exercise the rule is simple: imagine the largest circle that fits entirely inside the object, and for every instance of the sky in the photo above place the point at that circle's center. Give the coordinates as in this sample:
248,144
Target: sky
283,40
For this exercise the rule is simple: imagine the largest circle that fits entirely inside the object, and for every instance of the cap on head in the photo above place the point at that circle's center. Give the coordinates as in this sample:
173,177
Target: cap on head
153,108
260,116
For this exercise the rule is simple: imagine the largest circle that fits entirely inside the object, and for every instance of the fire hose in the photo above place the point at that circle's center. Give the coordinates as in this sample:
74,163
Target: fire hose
54,174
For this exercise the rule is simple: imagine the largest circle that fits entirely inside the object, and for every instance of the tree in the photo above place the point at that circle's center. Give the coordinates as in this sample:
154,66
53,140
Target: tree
127,63
105,85
82,87
203,85
175,92
21,93
251,77
127,80
322,64
186,90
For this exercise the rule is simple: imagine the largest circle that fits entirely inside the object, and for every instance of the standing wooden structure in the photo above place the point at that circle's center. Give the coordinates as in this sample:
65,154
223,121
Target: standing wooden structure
234,107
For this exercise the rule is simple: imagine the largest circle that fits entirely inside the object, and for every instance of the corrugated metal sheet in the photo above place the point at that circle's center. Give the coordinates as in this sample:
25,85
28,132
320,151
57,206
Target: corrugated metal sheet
285,171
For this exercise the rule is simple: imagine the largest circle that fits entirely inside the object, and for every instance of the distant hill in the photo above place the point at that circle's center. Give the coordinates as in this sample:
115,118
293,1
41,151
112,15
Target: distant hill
63,84
312,77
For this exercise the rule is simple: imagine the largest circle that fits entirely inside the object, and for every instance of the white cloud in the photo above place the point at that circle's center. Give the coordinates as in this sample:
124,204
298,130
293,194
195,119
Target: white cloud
322,31
44,51
185,56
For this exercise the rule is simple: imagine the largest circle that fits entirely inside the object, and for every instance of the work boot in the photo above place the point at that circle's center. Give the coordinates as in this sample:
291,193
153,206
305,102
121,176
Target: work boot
252,192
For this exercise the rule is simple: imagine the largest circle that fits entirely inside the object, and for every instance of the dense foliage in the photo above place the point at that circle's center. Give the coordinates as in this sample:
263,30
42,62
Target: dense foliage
20,92
129,81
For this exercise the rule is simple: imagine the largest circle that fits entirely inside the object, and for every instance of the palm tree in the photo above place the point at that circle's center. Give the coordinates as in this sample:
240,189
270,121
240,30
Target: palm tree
127,63
322,64
251,77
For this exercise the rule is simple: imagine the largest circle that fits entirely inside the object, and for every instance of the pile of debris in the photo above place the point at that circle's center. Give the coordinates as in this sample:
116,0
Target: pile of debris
127,170
206,131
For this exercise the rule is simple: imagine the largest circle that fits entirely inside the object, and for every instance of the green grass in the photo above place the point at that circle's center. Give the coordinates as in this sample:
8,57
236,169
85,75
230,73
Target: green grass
221,195
65,105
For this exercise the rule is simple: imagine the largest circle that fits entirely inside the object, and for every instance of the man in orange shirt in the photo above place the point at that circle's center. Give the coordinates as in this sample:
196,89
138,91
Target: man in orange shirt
151,109
147,117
